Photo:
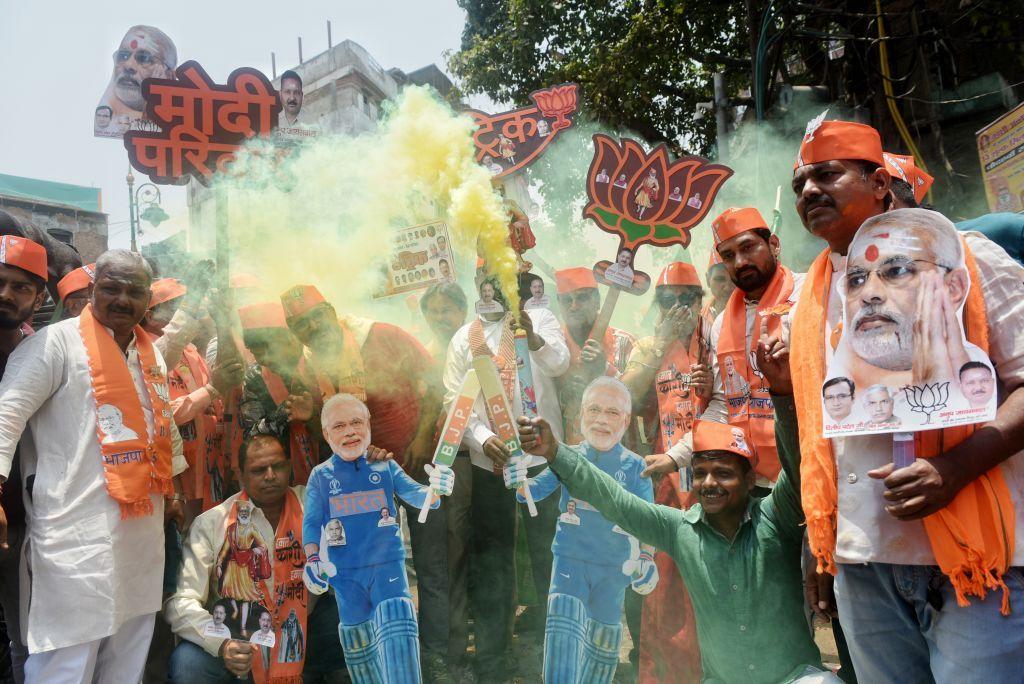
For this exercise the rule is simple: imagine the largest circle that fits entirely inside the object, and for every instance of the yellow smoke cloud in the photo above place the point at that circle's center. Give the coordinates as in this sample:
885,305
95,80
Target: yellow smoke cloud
325,215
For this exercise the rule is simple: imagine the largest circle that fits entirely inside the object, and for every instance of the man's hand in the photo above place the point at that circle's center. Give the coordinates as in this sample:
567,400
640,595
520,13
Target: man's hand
377,455
773,361
701,379
673,323
3,526
298,407
594,359
661,464
237,656
818,592
536,437
419,454
938,341
925,486
227,376
496,450
174,510
220,303
534,340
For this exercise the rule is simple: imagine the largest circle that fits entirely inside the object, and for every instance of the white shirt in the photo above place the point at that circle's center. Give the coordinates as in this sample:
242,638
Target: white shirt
186,609
90,570
547,363
866,533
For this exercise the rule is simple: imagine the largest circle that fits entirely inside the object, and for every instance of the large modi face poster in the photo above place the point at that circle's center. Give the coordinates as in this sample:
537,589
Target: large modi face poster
144,52
903,362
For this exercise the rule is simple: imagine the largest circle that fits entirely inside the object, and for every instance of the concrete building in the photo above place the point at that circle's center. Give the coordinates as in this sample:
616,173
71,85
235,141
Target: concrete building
72,214
343,89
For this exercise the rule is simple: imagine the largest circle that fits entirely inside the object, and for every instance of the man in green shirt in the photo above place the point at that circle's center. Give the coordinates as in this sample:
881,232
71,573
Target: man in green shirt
739,555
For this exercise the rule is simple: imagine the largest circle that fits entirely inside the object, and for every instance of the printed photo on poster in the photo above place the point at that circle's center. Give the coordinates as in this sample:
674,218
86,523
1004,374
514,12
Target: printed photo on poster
1001,151
293,125
536,297
621,274
887,374
420,256
144,52
488,303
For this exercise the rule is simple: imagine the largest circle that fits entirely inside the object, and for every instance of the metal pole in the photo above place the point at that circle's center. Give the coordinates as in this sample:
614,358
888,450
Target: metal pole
130,179
273,66
300,49
721,105
329,43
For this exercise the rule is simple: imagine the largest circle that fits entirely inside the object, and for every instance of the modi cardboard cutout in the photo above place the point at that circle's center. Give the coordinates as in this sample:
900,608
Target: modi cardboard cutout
903,362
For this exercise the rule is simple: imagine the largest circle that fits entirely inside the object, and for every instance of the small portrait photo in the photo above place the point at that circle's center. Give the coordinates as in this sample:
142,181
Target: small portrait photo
488,302
386,519
264,636
335,533
111,422
570,517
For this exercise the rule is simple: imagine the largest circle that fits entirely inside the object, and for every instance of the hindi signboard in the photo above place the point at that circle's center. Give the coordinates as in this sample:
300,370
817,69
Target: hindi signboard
1001,150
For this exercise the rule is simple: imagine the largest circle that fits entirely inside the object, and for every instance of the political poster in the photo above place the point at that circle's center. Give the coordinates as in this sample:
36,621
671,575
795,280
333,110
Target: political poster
144,52
420,256
903,362
1001,150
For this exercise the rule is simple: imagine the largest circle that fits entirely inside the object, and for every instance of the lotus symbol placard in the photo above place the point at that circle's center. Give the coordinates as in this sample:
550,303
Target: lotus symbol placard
646,198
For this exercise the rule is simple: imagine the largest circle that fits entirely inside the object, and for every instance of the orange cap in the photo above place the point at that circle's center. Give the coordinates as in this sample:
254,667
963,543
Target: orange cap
299,299
262,315
904,168
164,290
828,140
24,254
569,279
711,436
241,280
679,273
733,221
715,259
76,280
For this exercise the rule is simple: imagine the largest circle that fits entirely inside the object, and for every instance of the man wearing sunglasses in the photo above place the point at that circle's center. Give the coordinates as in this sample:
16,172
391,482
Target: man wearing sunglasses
765,290
905,586
579,301
144,52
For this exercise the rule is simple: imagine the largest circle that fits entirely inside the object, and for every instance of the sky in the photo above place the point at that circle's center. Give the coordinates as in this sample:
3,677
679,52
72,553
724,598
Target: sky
58,57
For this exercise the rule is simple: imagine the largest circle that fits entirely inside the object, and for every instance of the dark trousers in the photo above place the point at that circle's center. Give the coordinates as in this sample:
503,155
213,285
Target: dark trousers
540,533
10,598
430,561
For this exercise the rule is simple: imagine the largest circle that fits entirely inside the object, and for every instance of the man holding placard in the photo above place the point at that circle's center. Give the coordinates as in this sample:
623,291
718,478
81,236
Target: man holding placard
934,538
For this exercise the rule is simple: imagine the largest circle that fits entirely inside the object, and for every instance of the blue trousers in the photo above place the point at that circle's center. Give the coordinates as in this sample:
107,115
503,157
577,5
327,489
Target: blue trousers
360,590
601,588
903,624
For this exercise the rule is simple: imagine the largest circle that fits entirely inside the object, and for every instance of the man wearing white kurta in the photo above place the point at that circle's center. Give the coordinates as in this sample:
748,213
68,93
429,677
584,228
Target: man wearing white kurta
95,577
493,507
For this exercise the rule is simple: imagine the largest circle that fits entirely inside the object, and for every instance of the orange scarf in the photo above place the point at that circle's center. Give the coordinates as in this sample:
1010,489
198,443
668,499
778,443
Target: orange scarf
973,537
287,596
678,404
753,409
351,376
303,450
134,466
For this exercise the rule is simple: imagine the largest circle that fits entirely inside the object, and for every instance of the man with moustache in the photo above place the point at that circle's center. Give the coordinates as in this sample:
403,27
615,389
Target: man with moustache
977,383
23,275
580,301
144,52
866,525
96,512
591,557
765,290
879,404
291,97
738,554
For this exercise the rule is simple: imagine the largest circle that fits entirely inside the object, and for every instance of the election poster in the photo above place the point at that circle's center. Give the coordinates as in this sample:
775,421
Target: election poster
420,256
903,362
1001,150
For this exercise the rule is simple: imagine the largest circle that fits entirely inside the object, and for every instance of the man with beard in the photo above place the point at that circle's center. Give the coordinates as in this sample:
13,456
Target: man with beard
579,301
765,289
864,517
739,554
593,560
144,52
75,289
96,512
23,277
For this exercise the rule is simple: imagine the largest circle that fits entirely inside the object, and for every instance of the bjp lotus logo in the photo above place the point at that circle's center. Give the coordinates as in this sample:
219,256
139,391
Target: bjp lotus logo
558,101
647,198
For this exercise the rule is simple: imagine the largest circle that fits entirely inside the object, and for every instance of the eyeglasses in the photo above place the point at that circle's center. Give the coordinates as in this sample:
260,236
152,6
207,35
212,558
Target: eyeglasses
686,299
838,397
143,57
897,271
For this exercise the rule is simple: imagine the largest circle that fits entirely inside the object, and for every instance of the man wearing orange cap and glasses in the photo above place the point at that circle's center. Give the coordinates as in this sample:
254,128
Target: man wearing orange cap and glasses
75,288
671,377
739,554
23,275
195,401
765,291
579,301
935,597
